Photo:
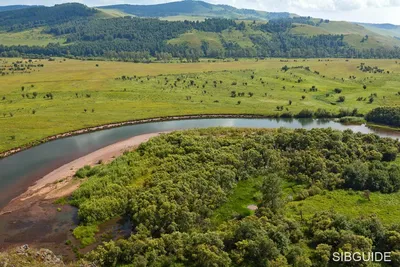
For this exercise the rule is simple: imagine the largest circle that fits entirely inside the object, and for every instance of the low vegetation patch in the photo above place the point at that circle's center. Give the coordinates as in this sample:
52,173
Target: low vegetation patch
85,234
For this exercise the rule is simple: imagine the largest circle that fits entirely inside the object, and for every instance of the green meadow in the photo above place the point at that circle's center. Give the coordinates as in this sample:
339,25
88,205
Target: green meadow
29,37
62,95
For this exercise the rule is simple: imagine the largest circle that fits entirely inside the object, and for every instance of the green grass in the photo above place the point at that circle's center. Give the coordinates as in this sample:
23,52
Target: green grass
234,36
112,13
349,203
86,234
236,205
194,39
29,37
117,100
61,201
308,30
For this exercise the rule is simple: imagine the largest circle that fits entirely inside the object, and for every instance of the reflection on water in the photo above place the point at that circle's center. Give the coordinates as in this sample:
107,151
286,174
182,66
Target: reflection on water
18,171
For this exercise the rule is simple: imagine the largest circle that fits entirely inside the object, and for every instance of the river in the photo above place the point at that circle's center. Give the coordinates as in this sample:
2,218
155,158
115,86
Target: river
41,225
20,170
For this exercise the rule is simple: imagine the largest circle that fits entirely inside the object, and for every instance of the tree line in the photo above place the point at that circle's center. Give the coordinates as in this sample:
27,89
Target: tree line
91,37
38,16
385,115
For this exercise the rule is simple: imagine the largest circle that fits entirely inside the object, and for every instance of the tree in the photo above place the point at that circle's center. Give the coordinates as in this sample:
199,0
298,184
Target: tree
322,255
367,195
355,175
272,192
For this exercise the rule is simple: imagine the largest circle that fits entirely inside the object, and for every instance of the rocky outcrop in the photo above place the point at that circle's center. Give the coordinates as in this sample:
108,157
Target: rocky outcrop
25,256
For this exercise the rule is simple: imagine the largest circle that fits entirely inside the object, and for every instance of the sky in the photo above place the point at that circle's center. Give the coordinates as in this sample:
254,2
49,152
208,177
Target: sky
373,11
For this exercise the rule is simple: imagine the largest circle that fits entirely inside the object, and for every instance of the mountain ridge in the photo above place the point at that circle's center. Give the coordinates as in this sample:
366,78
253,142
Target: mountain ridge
195,8
186,29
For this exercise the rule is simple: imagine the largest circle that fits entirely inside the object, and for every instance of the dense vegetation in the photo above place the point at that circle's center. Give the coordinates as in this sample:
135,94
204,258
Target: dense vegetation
87,35
385,115
13,7
173,186
37,16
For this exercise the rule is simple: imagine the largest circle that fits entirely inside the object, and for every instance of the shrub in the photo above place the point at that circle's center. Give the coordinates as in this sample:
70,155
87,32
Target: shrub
305,113
83,172
85,234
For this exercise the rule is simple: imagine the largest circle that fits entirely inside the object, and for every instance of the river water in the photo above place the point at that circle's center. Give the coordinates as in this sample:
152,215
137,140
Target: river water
20,170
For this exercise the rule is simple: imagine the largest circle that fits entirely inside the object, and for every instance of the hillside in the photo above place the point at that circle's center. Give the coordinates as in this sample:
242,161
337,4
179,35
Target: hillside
14,7
196,9
384,29
26,18
186,30
355,35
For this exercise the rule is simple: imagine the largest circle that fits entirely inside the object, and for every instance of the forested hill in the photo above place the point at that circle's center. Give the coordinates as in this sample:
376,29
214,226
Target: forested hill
13,7
37,16
75,30
195,9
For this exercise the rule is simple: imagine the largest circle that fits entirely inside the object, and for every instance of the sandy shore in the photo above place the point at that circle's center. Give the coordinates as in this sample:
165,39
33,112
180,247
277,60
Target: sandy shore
60,182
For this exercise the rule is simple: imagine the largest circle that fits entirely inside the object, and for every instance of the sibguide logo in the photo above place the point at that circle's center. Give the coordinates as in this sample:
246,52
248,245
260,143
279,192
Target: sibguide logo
361,256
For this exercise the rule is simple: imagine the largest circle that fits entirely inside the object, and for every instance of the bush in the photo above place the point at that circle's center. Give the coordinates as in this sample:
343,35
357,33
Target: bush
314,190
352,120
305,113
303,194
385,115
341,99
83,172
85,234
323,113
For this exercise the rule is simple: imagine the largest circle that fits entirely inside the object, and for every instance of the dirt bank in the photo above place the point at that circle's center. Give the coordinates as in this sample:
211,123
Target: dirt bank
60,182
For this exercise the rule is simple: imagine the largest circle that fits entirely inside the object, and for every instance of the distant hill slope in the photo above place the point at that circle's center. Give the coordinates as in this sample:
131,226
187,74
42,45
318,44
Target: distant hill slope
14,7
196,9
37,16
126,32
383,29
355,34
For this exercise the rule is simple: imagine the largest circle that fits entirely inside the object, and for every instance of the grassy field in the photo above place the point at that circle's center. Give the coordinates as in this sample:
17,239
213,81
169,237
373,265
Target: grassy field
351,204
215,40
29,37
243,196
112,13
195,38
93,85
